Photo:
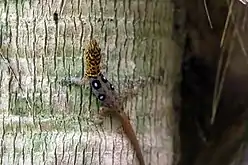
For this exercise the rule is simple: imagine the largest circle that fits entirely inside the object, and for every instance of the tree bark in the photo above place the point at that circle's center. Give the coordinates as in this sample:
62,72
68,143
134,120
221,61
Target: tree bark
42,41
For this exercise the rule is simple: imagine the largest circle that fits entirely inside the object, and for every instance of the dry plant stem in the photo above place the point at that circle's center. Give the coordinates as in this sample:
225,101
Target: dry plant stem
218,75
206,9
220,87
226,23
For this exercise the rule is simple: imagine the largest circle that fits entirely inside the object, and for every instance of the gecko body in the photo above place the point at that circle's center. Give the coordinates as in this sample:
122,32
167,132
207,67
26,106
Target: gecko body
105,93
112,105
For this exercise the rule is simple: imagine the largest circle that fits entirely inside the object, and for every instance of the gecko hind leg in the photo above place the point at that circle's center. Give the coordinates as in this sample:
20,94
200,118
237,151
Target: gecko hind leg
98,118
105,111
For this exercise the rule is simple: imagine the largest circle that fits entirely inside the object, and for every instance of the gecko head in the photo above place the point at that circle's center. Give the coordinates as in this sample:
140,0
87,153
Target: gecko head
109,85
92,58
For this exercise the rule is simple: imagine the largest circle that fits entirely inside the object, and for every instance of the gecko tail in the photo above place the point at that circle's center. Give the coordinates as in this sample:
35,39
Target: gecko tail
128,129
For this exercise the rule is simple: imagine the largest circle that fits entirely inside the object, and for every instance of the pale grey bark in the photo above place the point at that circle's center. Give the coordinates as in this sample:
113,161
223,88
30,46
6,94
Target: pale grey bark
43,122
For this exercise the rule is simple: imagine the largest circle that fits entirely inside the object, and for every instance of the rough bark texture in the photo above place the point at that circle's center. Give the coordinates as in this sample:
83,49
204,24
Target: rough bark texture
43,122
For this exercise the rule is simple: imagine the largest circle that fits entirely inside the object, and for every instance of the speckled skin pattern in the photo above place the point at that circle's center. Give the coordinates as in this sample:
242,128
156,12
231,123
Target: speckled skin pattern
92,57
111,104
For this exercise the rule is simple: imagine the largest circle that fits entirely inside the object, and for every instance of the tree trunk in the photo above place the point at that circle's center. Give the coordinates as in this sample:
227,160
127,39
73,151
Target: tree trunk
43,122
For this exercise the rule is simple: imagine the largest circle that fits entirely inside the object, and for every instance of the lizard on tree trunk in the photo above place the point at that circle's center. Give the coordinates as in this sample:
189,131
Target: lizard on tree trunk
104,91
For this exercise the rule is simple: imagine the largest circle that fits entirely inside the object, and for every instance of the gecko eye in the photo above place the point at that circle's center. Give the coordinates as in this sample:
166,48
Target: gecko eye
112,87
104,79
101,97
96,84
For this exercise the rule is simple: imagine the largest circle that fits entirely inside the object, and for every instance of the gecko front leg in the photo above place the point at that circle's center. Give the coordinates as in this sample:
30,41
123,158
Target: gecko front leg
75,81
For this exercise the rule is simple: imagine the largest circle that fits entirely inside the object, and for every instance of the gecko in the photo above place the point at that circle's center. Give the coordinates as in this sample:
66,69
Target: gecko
111,104
104,91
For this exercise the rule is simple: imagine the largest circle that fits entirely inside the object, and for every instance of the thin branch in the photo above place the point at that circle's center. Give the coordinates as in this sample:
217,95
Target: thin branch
226,23
218,75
